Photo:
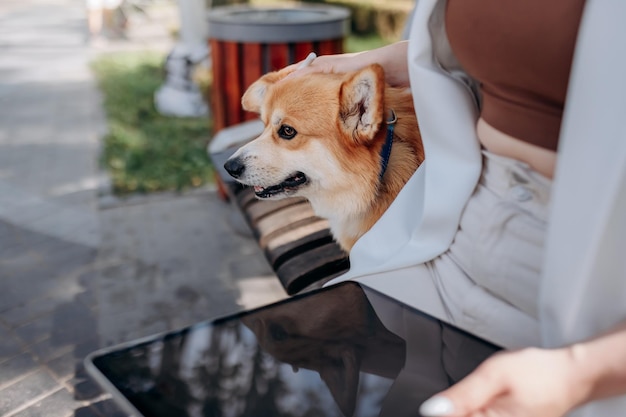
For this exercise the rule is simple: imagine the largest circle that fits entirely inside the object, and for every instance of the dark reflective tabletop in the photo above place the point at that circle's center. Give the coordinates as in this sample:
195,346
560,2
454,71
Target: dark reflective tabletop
345,350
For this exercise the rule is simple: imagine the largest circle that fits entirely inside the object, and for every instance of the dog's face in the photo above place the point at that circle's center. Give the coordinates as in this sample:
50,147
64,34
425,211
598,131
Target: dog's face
317,136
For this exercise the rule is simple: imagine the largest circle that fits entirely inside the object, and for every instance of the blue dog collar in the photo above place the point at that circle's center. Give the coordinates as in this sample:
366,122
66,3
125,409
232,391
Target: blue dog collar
386,150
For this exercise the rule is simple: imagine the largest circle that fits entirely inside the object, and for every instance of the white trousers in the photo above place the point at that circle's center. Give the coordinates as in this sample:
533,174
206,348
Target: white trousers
492,269
488,281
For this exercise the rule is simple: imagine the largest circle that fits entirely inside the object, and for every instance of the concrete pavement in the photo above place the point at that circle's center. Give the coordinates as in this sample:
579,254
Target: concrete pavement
75,275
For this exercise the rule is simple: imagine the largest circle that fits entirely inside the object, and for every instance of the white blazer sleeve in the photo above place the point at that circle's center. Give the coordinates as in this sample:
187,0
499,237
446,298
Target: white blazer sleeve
584,285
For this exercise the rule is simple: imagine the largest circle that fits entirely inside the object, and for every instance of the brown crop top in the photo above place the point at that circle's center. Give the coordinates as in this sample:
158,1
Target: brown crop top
521,53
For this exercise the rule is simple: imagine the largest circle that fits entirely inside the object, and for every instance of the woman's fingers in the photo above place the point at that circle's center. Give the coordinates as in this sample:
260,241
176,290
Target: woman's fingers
471,394
525,383
307,61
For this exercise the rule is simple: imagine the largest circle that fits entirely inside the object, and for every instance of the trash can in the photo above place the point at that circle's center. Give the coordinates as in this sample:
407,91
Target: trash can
247,42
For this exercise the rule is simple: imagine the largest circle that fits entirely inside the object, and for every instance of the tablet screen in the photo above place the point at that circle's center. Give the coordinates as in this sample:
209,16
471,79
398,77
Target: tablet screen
342,351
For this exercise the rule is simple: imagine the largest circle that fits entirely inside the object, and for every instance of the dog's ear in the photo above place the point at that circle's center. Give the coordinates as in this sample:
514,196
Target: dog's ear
361,103
252,99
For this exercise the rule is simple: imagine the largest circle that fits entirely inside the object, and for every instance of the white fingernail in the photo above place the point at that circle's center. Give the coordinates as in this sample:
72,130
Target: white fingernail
307,61
437,406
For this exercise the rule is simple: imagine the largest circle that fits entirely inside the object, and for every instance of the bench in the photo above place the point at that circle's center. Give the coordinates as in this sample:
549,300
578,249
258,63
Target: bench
297,244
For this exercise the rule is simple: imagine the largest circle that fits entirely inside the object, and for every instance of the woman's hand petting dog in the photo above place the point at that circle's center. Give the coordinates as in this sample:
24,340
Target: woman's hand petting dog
396,73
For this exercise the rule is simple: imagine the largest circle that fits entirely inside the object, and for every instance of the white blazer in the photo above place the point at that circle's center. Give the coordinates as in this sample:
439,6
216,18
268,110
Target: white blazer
583,289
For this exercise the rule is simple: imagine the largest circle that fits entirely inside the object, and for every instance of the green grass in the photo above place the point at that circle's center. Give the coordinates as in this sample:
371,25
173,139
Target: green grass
145,151
364,43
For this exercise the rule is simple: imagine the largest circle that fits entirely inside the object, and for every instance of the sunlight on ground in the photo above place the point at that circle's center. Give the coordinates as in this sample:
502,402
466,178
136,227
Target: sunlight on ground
258,291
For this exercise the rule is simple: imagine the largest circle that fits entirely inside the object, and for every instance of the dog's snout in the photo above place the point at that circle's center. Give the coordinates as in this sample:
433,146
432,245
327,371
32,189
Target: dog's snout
235,167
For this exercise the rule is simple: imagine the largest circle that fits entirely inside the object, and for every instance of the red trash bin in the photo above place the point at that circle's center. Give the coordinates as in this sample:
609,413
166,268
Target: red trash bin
247,42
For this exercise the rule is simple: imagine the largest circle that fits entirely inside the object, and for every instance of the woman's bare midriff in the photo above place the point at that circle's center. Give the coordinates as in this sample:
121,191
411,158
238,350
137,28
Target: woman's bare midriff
540,159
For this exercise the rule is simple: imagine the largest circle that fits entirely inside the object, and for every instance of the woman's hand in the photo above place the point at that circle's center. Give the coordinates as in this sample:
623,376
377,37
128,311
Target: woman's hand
338,63
525,383
538,382
393,59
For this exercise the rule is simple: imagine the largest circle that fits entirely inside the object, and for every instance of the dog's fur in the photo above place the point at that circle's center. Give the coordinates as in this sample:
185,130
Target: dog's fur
334,157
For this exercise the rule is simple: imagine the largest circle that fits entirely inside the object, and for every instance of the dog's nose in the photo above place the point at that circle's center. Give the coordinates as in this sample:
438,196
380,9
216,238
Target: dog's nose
235,167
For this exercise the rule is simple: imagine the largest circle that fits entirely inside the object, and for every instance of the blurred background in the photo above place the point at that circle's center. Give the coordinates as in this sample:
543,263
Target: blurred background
112,226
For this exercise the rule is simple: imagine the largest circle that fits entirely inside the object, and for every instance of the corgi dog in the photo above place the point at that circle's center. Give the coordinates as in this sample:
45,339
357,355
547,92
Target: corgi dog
346,142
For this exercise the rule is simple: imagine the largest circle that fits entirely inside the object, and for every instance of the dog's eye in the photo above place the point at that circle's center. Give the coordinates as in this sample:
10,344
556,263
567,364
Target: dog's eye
287,132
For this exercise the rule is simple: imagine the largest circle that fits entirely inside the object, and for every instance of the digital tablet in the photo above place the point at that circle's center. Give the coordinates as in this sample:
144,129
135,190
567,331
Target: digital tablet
345,350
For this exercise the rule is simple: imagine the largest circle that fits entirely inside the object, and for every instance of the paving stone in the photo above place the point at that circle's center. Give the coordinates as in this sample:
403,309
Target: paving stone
35,331
16,367
160,277
22,286
64,366
86,389
69,288
86,412
87,298
25,390
108,408
15,243
72,323
58,404
31,310
45,350
82,349
81,372
70,256
38,272
9,345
